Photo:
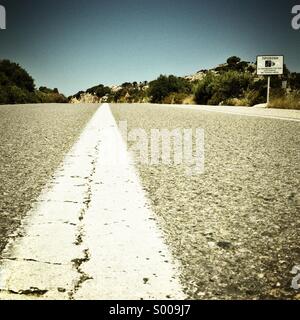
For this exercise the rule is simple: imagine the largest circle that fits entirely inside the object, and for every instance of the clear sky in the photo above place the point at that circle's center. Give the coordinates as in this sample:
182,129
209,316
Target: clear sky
75,44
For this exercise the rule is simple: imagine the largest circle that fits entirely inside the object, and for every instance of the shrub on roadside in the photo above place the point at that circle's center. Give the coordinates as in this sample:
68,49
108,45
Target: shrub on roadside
236,102
205,89
50,97
288,101
295,81
218,89
175,98
165,86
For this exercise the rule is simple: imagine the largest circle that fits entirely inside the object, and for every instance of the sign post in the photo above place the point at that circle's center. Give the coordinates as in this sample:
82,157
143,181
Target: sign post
268,92
269,66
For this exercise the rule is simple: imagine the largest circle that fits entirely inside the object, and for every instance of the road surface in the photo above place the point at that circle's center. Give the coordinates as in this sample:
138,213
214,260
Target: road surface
230,233
34,140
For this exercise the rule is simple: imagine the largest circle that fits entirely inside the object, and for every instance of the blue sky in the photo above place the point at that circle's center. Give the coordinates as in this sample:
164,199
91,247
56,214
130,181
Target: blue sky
76,44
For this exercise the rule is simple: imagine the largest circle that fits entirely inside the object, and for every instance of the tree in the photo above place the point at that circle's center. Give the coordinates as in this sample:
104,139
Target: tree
17,86
100,91
17,76
126,85
46,90
234,60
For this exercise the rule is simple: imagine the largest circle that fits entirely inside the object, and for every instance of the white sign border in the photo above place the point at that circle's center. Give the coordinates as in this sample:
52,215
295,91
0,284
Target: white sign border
270,55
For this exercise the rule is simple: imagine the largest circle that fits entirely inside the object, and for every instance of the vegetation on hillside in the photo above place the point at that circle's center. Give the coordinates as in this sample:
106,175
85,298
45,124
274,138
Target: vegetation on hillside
17,87
126,93
233,83
236,84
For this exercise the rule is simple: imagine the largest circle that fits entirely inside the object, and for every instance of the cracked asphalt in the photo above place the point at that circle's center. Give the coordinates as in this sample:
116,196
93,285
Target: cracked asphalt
71,244
236,228
34,140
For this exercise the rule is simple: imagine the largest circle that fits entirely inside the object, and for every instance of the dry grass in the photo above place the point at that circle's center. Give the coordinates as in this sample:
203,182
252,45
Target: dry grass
236,102
291,101
189,100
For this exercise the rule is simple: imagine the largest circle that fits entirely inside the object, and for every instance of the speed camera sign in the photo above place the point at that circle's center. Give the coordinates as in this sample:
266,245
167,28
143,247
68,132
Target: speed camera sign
270,65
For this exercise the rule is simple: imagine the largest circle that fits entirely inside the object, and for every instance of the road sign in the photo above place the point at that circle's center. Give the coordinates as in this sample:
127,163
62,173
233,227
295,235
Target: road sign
270,65
2,18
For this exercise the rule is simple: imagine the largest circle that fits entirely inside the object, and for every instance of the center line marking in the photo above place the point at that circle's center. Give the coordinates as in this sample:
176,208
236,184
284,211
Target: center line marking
92,234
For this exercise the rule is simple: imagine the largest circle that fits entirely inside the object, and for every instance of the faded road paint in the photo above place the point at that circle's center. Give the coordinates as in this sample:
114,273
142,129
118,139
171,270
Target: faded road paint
91,234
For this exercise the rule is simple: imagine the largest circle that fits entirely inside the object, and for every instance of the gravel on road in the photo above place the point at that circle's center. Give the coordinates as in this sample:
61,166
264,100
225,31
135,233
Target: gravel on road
34,140
236,228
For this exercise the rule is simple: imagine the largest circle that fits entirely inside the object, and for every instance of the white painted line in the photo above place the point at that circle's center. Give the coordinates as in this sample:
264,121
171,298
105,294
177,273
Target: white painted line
92,234
289,115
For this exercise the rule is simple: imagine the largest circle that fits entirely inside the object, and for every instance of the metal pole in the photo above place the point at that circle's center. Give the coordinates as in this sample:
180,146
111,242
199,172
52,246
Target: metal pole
269,83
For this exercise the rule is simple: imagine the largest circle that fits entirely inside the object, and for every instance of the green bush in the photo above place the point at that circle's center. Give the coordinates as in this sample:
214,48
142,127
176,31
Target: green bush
205,89
254,97
50,97
216,89
17,95
162,87
3,95
295,81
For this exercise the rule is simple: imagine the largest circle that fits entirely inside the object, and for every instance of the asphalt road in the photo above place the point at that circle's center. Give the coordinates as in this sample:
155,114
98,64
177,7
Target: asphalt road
235,229
34,140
